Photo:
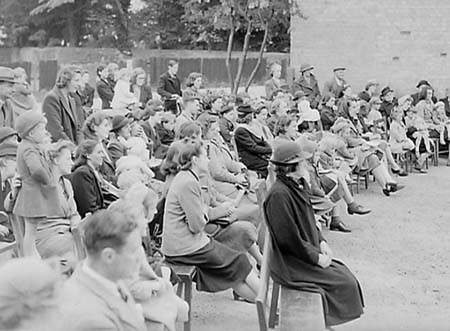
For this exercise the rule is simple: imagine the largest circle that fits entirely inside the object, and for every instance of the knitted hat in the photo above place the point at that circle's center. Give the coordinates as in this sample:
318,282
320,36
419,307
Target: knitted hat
386,90
244,110
7,132
287,153
370,83
118,122
27,121
423,82
8,148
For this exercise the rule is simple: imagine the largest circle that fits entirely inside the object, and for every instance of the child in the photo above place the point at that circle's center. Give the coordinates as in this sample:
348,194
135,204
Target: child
418,129
38,196
398,140
441,121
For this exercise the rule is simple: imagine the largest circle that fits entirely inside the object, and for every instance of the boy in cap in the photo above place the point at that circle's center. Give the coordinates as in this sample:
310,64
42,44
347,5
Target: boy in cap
389,101
336,84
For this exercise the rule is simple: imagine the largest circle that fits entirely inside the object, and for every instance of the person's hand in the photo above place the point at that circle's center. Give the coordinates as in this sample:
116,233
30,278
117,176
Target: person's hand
16,184
241,179
324,261
325,249
4,231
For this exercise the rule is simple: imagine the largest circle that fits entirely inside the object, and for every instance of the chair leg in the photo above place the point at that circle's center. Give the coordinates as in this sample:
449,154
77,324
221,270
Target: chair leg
274,305
188,298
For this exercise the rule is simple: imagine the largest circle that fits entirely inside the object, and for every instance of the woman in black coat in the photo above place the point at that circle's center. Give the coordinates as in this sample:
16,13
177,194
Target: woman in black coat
301,258
85,178
253,150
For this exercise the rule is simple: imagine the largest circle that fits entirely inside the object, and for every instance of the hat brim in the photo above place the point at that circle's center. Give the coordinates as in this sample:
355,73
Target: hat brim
7,80
306,69
339,68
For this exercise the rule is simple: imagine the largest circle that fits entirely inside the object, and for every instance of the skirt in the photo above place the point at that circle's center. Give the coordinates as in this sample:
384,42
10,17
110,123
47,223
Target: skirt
56,240
218,266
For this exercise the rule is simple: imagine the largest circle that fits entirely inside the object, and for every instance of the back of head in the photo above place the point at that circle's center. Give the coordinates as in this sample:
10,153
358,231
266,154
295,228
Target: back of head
84,149
106,229
27,293
64,77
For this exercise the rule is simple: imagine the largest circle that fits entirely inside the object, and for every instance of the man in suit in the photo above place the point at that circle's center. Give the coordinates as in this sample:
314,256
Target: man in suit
191,105
105,88
95,296
169,87
308,84
60,107
6,89
335,85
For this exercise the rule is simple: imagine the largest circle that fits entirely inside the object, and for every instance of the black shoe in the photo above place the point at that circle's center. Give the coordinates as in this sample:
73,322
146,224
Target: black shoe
386,191
400,172
354,208
420,170
337,225
394,187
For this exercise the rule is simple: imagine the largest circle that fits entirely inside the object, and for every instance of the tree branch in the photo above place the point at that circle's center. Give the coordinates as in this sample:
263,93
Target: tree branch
243,58
261,52
230,50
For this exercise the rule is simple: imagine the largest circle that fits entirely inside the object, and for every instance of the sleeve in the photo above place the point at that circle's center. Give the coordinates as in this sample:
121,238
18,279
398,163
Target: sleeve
162,88
52,112
243,138
216,170
84,192
72,203
280,216
104,92
90,97
116,151
33,162
191,202
316,102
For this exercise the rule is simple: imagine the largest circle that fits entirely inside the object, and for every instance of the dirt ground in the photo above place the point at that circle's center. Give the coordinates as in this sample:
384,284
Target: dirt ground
400,253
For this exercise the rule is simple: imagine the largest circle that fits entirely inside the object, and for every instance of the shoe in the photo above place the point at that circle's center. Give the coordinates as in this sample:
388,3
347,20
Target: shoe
400,172
338,225
394,187
355,208
420,170
237,297
386,191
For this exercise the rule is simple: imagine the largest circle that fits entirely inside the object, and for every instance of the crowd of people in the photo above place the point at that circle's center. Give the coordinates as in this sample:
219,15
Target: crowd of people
181,166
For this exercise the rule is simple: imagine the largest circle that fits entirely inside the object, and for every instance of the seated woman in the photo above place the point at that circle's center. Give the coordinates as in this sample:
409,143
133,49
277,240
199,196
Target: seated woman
301,258
279,107
121,131
53,235
185,241
360,154
253,150
417,131
260,123
123,97
398,140
285,129
328,111
441,122
140,87
86,179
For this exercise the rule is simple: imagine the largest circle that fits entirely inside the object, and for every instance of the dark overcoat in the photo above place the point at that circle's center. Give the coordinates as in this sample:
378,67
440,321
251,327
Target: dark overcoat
296,248
87,191
311,89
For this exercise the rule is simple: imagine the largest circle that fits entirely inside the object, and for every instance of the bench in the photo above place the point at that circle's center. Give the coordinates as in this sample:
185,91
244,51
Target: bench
300,310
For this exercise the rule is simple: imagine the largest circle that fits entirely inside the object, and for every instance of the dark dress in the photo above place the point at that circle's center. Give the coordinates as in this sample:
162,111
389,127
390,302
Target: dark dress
105,91
253,151
296,249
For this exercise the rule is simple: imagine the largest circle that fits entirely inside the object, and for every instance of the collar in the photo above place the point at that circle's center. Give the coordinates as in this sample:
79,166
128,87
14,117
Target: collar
194,174
110,285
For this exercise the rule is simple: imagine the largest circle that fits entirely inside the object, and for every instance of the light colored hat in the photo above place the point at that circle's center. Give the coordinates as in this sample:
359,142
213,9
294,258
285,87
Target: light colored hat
305,67
27,121
7,75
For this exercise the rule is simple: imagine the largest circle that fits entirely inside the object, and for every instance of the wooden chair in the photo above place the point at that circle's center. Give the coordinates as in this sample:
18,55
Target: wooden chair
299,309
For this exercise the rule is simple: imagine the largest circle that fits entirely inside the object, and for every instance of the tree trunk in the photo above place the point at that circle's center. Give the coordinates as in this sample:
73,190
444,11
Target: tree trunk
261,52
229,51
237,80
73,31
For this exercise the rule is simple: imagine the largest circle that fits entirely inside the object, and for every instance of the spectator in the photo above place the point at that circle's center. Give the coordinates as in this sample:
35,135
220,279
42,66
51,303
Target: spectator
254,151
7,81
335,86
425,105
38,197
123,98
113,69
86,179
150,118
140,87
227,123
121,132
274,83
306,260
213,109
104,88
60,107
96,296
446,102
260,123
22,98
421,85
369,90
194,83
243,98
169,87
53,236
190,112
165,128
285,129
308,84
80,110
328,112
389,101
29,296
279,107
184,238
398,140
86,91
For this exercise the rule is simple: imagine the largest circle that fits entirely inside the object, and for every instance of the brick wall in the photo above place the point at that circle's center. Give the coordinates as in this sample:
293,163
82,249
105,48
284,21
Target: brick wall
397,42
